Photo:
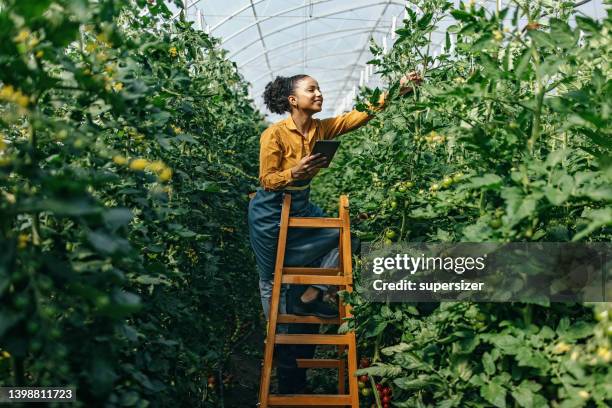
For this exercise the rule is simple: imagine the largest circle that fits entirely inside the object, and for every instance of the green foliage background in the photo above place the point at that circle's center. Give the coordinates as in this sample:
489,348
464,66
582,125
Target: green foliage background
507,140
128,144
128,147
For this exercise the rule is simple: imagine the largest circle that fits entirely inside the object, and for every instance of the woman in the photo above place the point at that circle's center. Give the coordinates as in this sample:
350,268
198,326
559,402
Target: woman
286,165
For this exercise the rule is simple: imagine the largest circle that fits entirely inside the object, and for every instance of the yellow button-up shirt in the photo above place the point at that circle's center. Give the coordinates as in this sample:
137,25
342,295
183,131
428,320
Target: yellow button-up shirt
282,146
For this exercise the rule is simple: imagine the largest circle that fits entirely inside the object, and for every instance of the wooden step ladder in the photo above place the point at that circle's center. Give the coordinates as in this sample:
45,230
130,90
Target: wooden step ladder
341,276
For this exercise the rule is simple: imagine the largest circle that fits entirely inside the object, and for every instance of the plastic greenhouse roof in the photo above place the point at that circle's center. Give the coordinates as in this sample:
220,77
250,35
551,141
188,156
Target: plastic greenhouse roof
327,39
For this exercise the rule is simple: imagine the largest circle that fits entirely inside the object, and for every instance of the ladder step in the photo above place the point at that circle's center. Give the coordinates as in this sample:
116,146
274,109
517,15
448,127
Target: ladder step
305,399
311,271
319,363
322,280
291,318
314,222
333,339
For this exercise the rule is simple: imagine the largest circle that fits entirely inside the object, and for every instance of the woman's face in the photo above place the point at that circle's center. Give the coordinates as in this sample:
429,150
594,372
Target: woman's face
307,96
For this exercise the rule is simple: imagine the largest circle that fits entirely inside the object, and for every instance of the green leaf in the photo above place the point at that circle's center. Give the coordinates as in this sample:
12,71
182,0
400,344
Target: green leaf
524,393
387,351
462,15
381,370
494,393
422,382
487,181
488,363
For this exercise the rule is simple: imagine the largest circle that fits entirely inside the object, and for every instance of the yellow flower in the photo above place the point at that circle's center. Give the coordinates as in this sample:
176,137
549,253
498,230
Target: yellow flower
110,68
22,101
156,166
561,348
604,353
166,174
22,241
2,142
90,47
176,129
10,94
103,38
22,36
498,35
173,52
101,56
118,86
40,54
120,160
5,354
584,394
139,164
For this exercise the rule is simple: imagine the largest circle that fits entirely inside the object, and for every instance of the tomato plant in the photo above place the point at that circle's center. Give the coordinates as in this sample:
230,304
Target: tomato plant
508,139
127,146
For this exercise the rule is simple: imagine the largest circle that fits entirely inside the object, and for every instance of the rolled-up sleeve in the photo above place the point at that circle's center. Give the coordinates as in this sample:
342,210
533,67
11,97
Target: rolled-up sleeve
338,125
271,175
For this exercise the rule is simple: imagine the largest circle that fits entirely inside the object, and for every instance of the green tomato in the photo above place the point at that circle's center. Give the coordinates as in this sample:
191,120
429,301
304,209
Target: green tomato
609,330
390,234
32,327
495,223
361,384
434,187
447,182
35,345
601,316
393,205
402,189
21,301
457,177
366,392
102,301
388,241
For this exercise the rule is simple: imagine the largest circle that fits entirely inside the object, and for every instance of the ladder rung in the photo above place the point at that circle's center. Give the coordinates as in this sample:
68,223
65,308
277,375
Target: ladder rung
291,318
310,279
314,222
319,363
305,399
333,339
311,271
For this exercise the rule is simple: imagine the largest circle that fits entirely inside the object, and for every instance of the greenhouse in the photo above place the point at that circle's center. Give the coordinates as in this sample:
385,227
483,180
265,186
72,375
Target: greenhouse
267,203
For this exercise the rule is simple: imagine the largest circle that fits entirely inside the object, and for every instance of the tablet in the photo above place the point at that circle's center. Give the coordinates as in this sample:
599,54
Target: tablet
327,148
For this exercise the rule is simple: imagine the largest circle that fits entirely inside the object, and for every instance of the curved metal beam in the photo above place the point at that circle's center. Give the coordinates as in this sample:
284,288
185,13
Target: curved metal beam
285,45
234,14
366,45
311,59
232,55
280,13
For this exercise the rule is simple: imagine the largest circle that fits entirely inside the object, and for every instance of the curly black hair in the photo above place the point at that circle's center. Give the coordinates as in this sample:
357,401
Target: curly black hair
276,93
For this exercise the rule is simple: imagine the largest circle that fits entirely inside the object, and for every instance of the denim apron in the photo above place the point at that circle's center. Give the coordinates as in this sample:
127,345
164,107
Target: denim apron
305,246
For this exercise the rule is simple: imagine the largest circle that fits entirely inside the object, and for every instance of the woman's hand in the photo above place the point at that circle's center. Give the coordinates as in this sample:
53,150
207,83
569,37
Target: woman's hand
407,81
308,166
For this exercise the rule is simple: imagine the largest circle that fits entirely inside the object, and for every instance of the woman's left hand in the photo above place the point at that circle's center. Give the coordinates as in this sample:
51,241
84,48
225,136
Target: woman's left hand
408,82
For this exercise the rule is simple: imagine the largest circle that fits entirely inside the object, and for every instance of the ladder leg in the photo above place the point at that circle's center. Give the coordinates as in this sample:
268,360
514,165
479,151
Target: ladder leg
347,268
266,371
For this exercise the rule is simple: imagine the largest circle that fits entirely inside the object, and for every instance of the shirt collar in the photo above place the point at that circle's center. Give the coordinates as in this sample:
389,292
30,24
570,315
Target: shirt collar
290,124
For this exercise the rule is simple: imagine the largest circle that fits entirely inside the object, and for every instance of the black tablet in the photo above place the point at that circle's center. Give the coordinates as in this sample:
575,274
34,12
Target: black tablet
327,148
